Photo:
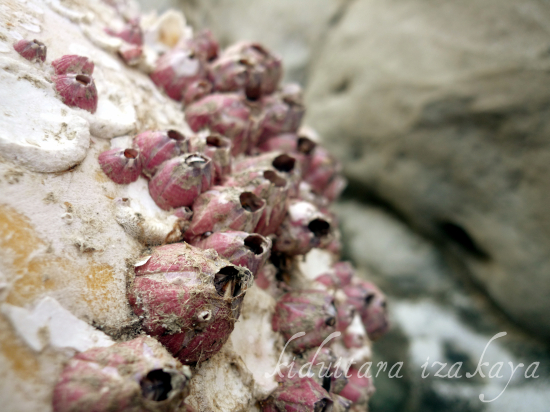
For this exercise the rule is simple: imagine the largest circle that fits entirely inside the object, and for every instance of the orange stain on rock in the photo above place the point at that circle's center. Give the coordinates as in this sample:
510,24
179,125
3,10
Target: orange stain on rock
99,278
20,357
37,271
23,250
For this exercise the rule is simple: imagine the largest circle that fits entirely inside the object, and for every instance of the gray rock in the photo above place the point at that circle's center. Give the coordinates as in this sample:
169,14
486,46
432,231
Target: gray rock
400,261
442,111
437,316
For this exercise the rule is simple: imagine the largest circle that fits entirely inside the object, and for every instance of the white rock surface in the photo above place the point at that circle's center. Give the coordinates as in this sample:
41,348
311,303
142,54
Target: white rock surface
49,323
36,129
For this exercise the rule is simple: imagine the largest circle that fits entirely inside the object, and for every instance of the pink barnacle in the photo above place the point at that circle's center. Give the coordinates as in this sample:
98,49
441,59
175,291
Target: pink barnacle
323,170
138,375
32,50
204,45
338,277
130,53
72,63
240,248
157,147
131,33
299,147
196,91
218,148
284,164
304,228
189,299
359,388
77,90
247,67
298,394
223,208
122,166
270,186
176,70
280,113
309,311
180,180
226,114
370,304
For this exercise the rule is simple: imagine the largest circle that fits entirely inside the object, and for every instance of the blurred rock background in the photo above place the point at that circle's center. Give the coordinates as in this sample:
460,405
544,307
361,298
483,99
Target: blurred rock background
440,113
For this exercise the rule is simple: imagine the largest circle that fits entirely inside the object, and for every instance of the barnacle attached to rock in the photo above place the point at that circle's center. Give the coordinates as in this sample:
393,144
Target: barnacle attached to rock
299,147
180,180
72,63
359,388
240,248
134,376
74,82
370,304
130,33
218,149
224,208
309,311
304,228
299,394
246,67
176,70
204,45
280,113
157,147
189,299
226,114
323,169
32,50
196,91
122,166
269,185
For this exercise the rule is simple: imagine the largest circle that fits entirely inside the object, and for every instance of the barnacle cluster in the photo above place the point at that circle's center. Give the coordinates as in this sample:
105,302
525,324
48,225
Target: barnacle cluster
247,193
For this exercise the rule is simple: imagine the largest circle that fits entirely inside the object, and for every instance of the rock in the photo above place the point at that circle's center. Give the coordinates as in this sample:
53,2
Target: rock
434,314
440,110
401,261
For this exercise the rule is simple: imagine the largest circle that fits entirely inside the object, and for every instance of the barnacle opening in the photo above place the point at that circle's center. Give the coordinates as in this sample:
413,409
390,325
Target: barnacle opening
327,381
369,298
216,141
245,61
284,163
227,282
274,178
254,243
195,160
330,321
259,48
156,385
83,79
250,202
204,316
320,406
306,145
253,90
131,153
173,134
319,227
